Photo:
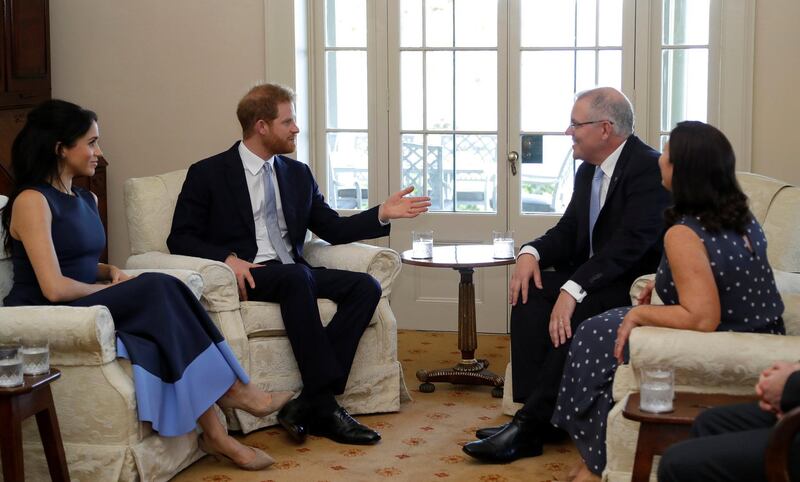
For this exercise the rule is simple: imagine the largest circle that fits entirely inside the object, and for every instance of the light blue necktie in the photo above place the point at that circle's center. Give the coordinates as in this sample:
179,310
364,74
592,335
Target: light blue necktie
271,214
594,204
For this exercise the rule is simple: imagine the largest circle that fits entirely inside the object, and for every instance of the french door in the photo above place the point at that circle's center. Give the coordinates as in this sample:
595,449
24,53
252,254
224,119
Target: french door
468,100
485,90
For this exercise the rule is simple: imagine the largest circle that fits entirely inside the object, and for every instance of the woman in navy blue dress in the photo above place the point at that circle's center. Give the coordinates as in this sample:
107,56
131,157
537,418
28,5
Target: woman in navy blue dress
714,276
181,364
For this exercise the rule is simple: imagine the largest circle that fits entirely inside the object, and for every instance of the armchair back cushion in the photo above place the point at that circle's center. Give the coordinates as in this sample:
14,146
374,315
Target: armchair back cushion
149,208
775,204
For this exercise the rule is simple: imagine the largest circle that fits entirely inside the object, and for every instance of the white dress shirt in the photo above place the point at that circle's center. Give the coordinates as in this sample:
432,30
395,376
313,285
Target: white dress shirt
574,289
253,166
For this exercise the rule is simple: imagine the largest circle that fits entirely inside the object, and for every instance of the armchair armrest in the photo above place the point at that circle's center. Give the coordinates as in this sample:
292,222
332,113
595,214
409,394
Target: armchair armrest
637,287
721,362
190,278
220,292
77,335
382,263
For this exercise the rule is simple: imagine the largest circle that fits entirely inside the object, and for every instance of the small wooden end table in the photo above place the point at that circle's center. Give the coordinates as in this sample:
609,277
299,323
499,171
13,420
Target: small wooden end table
469,371
18,403
660,430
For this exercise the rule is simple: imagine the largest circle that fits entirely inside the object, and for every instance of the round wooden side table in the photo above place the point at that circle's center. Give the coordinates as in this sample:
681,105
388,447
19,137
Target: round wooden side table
469,371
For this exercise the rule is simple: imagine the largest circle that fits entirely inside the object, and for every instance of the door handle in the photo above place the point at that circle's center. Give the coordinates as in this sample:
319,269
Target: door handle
512,159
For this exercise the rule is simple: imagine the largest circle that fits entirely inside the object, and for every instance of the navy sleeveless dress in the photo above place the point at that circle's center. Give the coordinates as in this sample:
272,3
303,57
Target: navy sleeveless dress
181,363
749,302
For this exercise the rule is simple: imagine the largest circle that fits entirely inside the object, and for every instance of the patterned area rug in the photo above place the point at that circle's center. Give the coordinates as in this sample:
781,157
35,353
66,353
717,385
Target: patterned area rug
420,443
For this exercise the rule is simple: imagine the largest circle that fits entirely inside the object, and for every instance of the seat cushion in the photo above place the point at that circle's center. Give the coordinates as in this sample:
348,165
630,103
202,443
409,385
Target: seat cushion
264,319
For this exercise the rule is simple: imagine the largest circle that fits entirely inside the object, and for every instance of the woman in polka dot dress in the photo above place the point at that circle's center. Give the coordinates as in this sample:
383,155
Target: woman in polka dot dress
714,276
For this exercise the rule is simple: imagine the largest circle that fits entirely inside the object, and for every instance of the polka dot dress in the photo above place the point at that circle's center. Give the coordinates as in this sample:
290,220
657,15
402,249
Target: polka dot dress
749,302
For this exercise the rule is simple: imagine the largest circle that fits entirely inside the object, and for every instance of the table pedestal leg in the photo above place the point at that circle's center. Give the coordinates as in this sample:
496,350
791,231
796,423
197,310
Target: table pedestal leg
469,371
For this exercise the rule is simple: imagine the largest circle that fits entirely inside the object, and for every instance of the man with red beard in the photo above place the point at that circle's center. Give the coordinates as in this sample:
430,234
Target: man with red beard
610,233
250,207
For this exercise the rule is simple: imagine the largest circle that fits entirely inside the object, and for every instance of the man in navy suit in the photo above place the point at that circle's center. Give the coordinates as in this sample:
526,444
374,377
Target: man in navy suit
250,207
610,233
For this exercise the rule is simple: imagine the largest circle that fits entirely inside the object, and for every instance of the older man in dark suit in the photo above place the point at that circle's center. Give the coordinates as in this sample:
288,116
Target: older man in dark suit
610,233
250,207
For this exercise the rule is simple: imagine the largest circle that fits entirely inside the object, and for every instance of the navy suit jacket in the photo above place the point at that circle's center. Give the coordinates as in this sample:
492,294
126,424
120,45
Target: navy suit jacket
790,398
214,217
628,234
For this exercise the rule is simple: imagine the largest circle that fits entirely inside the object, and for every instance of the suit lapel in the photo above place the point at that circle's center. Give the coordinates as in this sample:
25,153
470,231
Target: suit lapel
237,184
620,167
284,185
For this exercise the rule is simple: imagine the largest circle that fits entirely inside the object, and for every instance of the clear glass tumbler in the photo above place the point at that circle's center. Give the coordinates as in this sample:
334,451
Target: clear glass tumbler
657,389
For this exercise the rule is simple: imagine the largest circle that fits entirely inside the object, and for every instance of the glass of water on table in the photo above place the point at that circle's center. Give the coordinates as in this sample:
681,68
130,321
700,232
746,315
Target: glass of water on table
657,389
503,244
35,355
422,244
10,364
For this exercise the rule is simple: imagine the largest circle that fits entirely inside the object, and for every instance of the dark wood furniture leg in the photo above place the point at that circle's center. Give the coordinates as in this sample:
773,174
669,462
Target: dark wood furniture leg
654,438
50,434
11,441
469,371
16,408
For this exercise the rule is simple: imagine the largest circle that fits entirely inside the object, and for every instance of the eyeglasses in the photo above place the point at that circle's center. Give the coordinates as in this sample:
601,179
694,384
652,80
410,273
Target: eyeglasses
575,125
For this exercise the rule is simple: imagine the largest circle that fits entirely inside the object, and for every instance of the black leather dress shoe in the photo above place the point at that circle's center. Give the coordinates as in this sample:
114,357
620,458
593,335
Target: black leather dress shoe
339,426
549,434
293,417
514,441
487,432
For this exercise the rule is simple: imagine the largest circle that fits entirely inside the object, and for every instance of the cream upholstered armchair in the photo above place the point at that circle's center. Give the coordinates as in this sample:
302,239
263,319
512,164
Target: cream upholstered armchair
711,362
255,330
94,398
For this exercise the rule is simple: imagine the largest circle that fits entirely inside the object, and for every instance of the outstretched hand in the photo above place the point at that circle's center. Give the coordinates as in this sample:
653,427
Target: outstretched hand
399,206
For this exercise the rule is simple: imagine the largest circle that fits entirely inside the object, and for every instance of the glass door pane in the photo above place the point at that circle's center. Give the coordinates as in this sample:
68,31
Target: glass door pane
564,47
448,86
685,52
346,108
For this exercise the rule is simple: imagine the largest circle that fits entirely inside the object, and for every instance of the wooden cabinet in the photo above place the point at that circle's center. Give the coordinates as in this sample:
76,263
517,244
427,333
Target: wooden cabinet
24,69
25,82
25,53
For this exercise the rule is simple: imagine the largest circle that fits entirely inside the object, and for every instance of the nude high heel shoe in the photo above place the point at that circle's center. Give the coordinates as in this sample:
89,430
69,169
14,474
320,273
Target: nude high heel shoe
262,460
279,399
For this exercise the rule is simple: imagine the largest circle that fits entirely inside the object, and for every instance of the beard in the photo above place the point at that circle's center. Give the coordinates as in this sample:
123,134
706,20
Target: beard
278,145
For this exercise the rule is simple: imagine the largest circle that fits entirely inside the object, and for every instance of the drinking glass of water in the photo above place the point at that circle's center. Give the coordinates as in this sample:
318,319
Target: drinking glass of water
35,356
422,244
503,243
657,389
10,365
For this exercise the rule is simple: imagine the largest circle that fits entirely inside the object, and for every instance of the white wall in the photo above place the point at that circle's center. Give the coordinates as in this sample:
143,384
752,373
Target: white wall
164,78
165,75
776,90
